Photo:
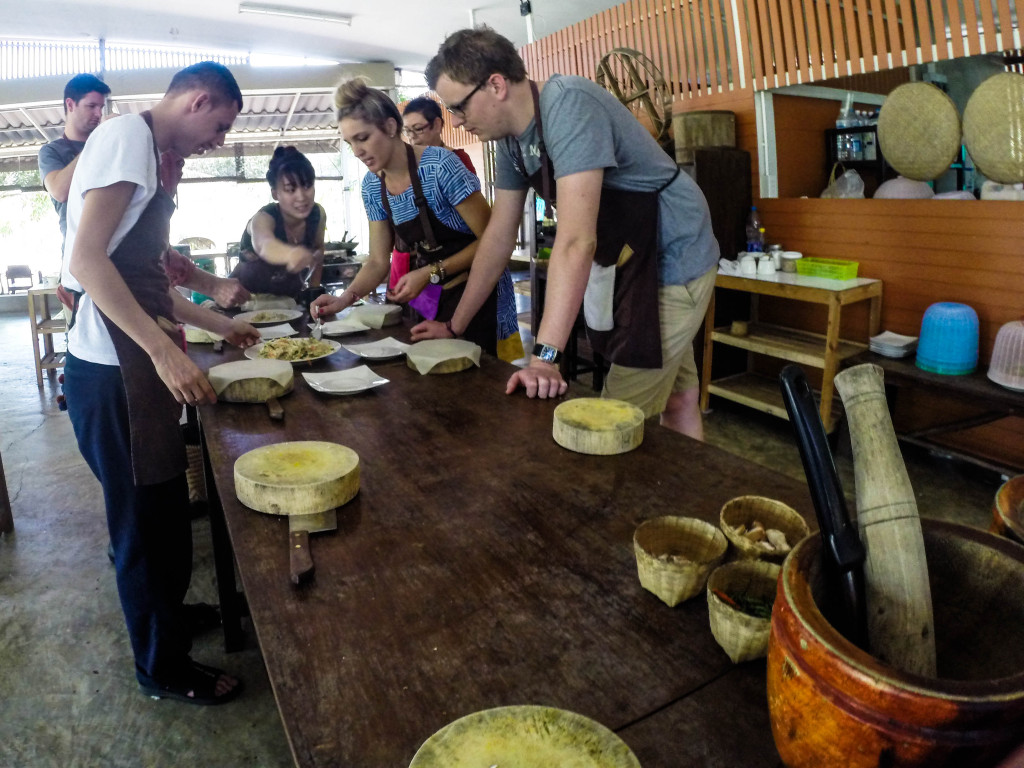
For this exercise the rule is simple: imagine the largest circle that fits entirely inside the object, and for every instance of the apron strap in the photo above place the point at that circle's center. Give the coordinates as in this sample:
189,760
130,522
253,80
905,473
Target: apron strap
422,206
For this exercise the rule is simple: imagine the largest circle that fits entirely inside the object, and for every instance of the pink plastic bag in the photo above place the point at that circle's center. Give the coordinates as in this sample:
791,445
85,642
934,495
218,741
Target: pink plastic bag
399,268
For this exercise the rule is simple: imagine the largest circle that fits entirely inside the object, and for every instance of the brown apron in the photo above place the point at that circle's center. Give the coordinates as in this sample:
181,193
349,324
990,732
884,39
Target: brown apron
621,304
431,239
158,449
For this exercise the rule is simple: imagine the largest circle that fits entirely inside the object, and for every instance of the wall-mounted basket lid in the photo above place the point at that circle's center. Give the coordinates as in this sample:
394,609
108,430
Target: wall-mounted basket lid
994,127
919,131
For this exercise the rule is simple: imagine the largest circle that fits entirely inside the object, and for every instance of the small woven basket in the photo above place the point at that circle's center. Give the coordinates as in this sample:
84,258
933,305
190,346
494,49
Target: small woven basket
742,636
674,556
772,514
994,127
919,131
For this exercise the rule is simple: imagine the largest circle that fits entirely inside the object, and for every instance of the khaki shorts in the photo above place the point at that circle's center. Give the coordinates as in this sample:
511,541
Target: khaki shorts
681,310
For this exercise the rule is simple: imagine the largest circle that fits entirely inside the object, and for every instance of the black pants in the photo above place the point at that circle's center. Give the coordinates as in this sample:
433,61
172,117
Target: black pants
150,526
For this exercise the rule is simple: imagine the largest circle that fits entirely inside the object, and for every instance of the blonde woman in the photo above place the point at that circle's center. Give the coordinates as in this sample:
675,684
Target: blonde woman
433,202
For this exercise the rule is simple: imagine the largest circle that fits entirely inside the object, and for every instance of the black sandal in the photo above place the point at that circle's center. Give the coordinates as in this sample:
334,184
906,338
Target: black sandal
198,685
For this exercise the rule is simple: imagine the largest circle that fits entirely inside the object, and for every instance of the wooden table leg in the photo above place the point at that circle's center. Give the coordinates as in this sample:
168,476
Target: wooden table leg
231,601
705,374
831,364
6,514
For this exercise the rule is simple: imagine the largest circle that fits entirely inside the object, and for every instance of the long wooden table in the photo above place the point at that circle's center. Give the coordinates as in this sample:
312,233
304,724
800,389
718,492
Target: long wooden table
482,565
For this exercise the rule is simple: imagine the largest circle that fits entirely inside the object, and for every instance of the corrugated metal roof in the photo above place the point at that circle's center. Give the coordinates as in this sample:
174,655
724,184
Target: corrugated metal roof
292,116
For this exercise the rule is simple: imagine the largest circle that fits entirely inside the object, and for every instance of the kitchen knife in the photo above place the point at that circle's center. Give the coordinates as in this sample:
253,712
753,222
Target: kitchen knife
299,528
843,555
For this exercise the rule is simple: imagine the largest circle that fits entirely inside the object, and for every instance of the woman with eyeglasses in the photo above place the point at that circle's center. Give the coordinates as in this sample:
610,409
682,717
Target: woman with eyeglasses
425,195
423,125
284,241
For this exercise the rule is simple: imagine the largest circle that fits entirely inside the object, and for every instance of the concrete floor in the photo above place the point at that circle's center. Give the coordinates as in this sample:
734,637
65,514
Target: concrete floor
66,679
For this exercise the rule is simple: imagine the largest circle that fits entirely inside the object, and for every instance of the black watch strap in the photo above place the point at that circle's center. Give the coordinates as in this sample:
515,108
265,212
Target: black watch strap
547,353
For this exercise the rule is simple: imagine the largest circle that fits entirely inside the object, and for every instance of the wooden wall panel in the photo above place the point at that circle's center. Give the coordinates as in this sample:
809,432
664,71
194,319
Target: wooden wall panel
924,250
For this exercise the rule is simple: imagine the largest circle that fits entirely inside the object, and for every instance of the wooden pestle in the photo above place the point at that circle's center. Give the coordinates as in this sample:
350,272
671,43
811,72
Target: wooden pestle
901,628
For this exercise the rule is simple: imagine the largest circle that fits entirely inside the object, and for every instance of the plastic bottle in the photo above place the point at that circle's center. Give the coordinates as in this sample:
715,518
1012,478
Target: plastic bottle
755,232
846,144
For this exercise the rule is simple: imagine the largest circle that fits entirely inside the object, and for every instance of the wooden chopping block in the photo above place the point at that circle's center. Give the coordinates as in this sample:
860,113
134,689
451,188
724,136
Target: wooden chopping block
598,426
454,365
250,384
901,627
297,478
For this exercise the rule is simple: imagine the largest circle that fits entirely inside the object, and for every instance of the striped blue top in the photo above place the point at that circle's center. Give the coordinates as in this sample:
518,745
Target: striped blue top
446,183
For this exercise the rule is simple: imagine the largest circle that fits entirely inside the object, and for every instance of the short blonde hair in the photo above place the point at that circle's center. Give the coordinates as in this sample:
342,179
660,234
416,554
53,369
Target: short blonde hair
354,98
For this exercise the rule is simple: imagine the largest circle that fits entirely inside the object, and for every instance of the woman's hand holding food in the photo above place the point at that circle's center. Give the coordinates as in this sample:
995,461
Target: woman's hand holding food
241,334
410,285
299,258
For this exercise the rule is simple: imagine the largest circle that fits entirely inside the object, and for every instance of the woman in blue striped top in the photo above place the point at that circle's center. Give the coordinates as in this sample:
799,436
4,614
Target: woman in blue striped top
429,198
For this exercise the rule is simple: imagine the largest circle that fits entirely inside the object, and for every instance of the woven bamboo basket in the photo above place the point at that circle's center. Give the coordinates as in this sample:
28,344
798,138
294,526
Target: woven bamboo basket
674,556
919,131
772,514
742,636
994,127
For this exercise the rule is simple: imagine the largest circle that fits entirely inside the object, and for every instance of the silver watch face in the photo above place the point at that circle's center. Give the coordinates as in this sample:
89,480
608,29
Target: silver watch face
548,354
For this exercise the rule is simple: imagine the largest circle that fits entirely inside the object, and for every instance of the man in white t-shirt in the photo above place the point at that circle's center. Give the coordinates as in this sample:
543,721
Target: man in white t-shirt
126,373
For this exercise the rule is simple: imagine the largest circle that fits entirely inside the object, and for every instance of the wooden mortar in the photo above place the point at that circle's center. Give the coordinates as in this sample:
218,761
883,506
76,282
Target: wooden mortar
832,704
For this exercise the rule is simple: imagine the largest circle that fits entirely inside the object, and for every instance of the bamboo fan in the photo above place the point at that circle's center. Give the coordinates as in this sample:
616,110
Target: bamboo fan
636,82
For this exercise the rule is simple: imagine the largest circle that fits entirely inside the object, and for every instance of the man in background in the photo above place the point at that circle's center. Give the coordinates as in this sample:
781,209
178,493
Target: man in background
85,99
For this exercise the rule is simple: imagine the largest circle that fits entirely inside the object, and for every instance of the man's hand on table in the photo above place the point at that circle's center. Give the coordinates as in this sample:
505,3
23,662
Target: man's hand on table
539,379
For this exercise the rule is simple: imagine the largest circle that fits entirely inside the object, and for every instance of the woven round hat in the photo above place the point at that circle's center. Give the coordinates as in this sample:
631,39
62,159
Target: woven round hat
994,127
919,131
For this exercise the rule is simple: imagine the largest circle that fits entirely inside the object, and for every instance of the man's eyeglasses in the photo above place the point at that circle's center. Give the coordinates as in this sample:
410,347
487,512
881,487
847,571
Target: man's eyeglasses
415,130
459,109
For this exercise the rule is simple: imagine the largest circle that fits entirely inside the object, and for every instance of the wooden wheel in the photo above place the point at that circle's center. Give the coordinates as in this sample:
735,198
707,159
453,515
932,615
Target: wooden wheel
637,82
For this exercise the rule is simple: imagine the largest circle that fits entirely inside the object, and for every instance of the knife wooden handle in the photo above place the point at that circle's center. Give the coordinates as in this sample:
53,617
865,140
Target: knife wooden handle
275,409
300,559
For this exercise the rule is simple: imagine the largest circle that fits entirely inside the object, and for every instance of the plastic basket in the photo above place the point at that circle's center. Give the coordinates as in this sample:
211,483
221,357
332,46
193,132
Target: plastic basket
834,269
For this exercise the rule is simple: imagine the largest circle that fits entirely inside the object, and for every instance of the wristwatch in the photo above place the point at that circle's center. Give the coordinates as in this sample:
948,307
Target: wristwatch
547,353
437,273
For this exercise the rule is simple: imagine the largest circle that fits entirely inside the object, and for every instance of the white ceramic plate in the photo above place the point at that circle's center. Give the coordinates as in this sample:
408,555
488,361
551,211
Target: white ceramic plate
253,352
343,326
277,331
348,382
384,349
269,316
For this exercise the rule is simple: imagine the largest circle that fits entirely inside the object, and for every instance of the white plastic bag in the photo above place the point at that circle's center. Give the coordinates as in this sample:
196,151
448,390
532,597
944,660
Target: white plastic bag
848,185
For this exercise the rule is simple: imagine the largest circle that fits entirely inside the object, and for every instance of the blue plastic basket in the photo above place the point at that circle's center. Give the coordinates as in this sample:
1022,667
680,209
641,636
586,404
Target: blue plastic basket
949,339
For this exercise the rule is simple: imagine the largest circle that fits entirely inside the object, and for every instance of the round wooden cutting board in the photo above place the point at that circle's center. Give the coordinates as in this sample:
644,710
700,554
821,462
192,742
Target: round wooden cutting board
524,737
598,426
297,478
254,381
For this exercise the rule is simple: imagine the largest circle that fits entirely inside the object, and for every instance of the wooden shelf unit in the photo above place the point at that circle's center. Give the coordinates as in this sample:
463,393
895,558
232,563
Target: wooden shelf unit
824,351
44,326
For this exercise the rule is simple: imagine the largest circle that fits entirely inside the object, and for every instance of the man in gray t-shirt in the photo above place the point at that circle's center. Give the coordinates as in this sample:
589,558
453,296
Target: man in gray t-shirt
85,97
634,234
